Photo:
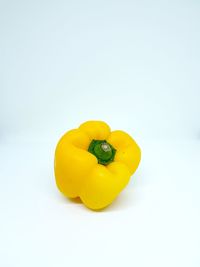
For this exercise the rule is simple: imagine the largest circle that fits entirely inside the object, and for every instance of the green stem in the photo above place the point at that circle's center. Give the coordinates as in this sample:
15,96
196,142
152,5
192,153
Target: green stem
103,151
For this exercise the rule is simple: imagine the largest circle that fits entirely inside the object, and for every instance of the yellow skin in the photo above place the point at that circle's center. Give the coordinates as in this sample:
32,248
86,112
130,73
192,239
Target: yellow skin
78,173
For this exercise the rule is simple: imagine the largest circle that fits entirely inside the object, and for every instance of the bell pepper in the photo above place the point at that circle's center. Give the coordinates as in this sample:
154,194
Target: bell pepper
95,164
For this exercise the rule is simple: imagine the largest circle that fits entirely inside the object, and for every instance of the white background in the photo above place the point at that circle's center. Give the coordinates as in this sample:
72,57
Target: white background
133,64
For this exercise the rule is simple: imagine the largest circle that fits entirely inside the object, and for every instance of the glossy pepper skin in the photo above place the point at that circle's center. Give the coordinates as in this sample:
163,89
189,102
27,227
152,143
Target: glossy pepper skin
95,164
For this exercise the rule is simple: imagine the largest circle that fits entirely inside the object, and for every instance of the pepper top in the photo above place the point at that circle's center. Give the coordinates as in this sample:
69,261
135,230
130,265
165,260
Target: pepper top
104,152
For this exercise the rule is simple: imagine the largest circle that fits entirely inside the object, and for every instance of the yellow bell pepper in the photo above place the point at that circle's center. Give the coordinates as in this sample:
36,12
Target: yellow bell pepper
95,164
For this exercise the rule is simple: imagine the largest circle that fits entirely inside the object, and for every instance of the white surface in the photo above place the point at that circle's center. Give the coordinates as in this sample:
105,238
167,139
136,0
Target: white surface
134,65
154,222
